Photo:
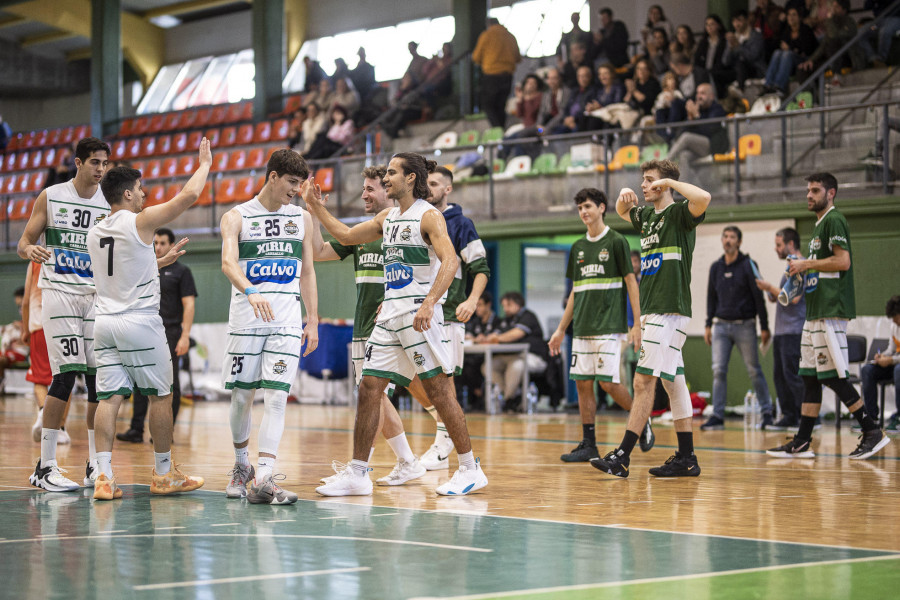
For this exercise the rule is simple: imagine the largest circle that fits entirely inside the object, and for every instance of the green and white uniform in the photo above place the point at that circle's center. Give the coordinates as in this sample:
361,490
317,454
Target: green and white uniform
67,279
395,350
597,268
830,303
270,253
667,247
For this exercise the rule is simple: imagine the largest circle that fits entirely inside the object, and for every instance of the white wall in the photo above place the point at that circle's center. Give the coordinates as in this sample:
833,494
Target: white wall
209,37
27,114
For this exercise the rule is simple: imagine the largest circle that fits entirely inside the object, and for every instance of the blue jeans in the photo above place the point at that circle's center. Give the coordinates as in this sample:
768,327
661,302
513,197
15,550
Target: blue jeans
870,375
743,335
886,32
788,383
781,67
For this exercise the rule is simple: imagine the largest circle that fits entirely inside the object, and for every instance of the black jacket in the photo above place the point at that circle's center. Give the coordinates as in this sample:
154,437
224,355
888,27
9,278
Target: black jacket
732,294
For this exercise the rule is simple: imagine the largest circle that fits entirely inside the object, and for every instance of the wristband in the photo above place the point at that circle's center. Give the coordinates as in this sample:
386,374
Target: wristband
251,290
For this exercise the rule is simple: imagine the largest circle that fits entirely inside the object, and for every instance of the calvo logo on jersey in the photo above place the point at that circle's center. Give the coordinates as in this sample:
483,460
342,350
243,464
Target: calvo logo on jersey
280,367
272,271
812,281
397,276
291,228
69,262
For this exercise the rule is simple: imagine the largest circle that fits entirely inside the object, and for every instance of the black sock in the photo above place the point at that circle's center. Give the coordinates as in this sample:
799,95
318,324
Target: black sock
628,442
806,427
685,442
588,435
865,421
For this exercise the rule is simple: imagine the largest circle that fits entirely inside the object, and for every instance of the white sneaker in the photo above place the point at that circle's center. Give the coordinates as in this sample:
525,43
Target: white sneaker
63,438
464,481
403,471
240,477
51,479
347,483
337,466
38,426
91,472
436,457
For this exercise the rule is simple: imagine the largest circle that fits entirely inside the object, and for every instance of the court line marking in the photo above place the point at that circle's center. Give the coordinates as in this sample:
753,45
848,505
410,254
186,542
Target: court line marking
280,521
112,531
202,582
223,524
627,582
385,514
169,528
342,538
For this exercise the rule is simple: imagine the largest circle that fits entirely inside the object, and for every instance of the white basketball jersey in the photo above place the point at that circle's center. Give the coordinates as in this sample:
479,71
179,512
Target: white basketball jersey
125,271
69,217
410,264
270,253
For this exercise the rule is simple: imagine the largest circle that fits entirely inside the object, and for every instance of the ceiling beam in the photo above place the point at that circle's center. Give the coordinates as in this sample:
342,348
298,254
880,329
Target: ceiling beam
79,54
181,8
11,21
45,38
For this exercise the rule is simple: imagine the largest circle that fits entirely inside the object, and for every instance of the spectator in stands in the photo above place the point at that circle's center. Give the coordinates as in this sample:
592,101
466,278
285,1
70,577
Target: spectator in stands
323,96
497,53
689,75
697,141
710,51
519,325
339,134
345,96
788,331
798,42
802,7
578,57
885,367
484,323
817,12
439,77
554,101
733,302
295,139
529,100
12,348
745,50
574,118
684,43
840,28
314,74
642,90
886,31
577,34
611,40
656,50
768,19
313,125
5,133
417,61
63,171
341,71
610,91
363,76
656,18
663,103
407,106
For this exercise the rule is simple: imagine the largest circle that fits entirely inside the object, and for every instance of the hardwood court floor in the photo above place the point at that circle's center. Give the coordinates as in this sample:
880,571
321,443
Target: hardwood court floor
748,527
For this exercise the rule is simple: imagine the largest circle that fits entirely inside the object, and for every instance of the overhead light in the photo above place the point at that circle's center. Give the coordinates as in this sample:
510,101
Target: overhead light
166,21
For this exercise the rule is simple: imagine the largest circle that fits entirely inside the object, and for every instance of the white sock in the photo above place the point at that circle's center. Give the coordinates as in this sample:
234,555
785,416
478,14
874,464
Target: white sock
467,460
104,463
163,462
92,449
242,456
400,445
264,468
360,468
371,452
48,446
441,437
434,413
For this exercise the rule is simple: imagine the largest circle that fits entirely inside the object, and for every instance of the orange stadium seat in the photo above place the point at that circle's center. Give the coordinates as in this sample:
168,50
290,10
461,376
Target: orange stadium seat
220,162
179,143
23,161
228,137
20,209
80,132
169,167
148,146
141,126
156,124
27,140
67,135
280,130
36,159
193,140
13,143
262,133
213,136
237,160
155,195
172,190
225,190
53,137
292,104
36,181
140,166
127,127
23,183
9,186
49,157
203,117
325,178
170,121
187,119
217,115
244,135
256,158
133,148
186,165
205,198
271,151
118,150
237,112
246,189
153,170
40,138
2,183
163,145
9,162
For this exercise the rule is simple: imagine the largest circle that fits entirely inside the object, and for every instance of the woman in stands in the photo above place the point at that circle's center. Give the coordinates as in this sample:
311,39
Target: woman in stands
610,91
709,54
313,125
798,42
684,42
338,135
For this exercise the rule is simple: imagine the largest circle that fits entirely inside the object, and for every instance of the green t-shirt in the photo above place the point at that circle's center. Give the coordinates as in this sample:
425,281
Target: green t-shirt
667,246
830,295
597,270
368,263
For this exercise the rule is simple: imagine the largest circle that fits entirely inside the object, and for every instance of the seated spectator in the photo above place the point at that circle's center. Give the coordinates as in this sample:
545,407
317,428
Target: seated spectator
5,133
553,101
710,51
697,141
63,171
578,57
314,74
642,90
439,78
577,34
339,134
609,91
528,100
363,76
656,18
802,7
344,95
663,103
483,323
323,96
295,137
313,125
798,42
745,50
885,367
840,28
817,12
611,40
656,50
574,118
768,19
12,348
689,75
407,106
519,325
886,31
684,43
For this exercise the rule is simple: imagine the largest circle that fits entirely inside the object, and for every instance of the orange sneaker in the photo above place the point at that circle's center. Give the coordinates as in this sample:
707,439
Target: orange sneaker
174,482
106,489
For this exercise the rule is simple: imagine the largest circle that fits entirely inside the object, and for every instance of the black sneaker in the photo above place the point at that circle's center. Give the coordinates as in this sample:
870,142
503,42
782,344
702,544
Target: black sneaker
870,442
783,424
648,438
794,448
894,424
614,463
678,465
583,452
132,435
713,423
766,422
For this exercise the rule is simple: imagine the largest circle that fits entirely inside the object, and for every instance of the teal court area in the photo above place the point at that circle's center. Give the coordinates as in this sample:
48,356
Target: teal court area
201,546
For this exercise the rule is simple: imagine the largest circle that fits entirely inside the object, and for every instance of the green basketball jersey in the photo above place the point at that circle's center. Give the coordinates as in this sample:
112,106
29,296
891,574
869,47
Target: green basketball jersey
830,295
368,263
667,246
597,269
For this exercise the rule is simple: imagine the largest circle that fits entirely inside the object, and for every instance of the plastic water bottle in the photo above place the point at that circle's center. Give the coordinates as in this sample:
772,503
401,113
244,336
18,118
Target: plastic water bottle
533,395
751,409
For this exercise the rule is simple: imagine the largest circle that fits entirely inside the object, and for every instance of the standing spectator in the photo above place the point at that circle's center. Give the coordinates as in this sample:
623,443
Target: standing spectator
177,295
840,28
733,302
574,118
798,42
341,70
314,74
12,348
709,54
684,42
577,34
745,50
5,133
656,18
768,19
438,77
497,53
788,329
611,40
641,91
312,126
697,141
689,75
363,76
417,62
885,367
484,323
345,96
578,57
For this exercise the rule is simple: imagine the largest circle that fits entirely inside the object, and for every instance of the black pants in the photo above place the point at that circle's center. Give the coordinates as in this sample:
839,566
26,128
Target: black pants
141,401
494,92
788,383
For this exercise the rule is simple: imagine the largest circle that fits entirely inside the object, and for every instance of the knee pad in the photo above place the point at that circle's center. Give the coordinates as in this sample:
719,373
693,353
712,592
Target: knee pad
813,392
271,427
241,402
62,385
842,388
679,397
90,382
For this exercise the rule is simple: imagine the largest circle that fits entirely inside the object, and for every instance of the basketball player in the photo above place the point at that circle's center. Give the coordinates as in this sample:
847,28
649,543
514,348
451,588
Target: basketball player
408,338
132,351
268,258
600,271
668,234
